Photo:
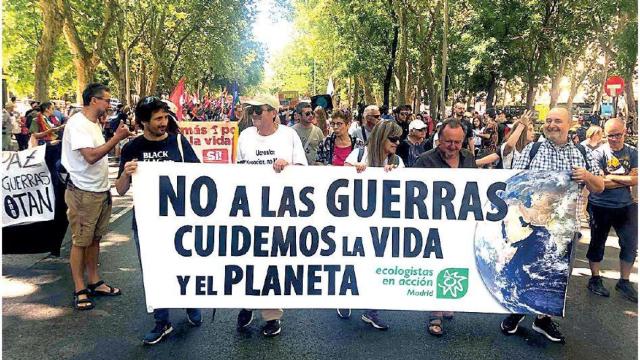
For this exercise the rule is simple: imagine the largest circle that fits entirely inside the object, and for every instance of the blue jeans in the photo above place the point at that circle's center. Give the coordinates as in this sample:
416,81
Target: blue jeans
160,315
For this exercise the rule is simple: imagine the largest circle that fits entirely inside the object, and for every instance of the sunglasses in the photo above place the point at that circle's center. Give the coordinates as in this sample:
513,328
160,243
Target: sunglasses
308,113
257,110
394,139
374,116
149,99
405,113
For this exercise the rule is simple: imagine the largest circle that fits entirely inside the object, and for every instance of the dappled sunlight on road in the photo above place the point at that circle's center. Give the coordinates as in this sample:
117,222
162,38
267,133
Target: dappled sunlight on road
609,274
12,288
26,311
114,239
631,313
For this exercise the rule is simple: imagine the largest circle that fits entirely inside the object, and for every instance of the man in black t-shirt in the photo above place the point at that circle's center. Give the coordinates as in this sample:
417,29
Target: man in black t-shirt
458,114
155,144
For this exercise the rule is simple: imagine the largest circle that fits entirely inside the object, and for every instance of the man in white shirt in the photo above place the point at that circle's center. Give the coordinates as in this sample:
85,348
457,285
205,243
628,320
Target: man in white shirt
267,143
88,194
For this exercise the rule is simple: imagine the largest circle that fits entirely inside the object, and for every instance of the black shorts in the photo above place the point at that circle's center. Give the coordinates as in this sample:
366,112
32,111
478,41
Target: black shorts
624,220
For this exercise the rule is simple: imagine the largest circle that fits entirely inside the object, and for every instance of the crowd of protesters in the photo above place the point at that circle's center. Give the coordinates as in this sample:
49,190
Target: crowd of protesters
305,135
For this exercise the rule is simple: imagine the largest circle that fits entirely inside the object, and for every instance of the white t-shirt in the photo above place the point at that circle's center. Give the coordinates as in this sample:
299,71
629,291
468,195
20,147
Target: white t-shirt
353,158
507,160
81,133
256,149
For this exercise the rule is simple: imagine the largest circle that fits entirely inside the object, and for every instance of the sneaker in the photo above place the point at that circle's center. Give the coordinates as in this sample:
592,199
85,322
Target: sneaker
371,318
596,287
245,317
344,313
548,328
195,319
158,333
626,290
271,328
509,325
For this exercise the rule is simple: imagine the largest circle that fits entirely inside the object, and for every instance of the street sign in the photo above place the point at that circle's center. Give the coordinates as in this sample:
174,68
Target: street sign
614,86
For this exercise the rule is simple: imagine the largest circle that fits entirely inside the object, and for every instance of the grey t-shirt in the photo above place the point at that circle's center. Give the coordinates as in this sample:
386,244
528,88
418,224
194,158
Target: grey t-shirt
311,139
616,163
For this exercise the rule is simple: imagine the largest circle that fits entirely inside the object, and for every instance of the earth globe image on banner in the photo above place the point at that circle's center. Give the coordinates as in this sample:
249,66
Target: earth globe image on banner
524,259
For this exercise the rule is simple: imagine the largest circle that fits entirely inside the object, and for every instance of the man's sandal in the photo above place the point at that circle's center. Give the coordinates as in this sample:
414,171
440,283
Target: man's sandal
112,290
83,304
435,327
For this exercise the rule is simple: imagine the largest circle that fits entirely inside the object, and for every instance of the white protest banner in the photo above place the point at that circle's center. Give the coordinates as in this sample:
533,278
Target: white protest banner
230,236
27,188
212,141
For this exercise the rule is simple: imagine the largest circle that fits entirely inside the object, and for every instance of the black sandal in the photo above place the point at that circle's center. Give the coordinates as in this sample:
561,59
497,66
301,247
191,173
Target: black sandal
436,323
78,303
112,291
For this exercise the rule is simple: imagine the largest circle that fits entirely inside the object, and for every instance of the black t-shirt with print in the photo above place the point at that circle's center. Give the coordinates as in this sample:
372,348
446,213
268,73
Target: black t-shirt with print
163,150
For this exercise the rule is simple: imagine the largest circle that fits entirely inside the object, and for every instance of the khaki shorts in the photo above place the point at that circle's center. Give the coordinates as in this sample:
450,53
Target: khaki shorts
88,214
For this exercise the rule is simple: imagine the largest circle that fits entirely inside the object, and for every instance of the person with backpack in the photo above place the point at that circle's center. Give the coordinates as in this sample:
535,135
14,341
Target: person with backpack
379,152
556,154
155,144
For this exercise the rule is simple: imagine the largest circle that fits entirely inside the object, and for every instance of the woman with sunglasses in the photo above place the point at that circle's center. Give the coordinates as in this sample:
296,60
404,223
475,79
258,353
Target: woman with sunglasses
379,152
335,148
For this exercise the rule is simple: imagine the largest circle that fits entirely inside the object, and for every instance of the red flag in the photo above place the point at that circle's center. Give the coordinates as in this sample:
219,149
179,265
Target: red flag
176,96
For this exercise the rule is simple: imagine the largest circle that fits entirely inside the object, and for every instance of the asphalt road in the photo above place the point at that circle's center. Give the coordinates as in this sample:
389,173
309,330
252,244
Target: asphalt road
39,323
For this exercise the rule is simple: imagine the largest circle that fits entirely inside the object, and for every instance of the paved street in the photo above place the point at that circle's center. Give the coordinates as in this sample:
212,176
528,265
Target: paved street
39,322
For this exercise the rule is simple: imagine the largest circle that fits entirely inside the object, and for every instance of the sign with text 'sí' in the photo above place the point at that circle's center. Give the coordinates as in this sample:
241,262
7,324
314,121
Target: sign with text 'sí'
27,188
233,236
213,141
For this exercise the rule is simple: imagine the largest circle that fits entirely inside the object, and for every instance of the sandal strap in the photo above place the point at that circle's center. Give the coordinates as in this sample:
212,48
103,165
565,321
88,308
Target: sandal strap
82,292
96,285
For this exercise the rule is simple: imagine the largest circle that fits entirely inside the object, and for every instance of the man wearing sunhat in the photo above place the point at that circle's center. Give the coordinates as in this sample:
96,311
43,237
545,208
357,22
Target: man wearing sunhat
267,143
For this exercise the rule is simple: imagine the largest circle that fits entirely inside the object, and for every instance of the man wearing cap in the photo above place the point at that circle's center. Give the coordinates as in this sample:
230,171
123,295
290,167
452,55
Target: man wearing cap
267,143
414,145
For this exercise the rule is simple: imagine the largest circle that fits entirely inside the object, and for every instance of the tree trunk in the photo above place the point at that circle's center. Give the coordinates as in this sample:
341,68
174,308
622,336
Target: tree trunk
52,28
491,89
555,83
394,46
368,92
402,58
605,74
355,95
629,98
84,75
142,79
532,86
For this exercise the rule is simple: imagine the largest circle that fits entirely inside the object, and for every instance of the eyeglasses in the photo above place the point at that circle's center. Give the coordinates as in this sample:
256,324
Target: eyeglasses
334,124
405,113
101,98
394,139
615,136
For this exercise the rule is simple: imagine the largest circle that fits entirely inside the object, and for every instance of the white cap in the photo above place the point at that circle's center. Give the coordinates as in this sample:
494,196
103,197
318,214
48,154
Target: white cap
417,125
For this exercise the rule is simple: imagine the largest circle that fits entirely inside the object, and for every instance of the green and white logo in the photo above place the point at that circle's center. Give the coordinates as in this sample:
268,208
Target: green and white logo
452,283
